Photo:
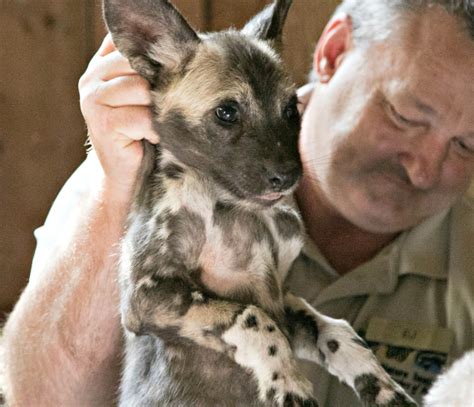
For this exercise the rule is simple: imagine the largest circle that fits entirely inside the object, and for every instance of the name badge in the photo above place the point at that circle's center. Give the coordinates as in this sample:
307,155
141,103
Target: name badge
411,353
410,335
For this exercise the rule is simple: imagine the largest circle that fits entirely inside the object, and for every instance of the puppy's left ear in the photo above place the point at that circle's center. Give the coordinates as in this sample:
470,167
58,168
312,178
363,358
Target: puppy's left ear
152,34
268,24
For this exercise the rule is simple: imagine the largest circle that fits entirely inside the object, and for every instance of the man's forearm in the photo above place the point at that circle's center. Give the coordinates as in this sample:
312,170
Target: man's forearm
63,338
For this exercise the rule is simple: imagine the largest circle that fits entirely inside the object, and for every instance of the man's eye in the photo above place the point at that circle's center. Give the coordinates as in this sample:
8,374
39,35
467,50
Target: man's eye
227,113
463,146
401,119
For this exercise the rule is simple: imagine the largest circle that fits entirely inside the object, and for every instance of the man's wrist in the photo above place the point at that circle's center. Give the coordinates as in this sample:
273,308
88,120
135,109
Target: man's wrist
117,195
111,189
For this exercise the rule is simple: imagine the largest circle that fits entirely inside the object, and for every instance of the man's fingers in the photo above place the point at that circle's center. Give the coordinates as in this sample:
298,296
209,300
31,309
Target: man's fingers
113,65
115,103
109,66
133,122
131,90
107,46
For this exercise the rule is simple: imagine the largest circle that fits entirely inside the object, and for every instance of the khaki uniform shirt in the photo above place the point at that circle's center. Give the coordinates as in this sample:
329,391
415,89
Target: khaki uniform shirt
415,299
413,302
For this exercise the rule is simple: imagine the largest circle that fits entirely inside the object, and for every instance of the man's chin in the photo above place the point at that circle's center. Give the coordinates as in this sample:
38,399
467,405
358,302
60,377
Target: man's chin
383,216
384,220
386,225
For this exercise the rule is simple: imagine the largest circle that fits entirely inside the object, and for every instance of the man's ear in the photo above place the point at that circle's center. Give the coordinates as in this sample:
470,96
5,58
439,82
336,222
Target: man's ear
333,44
152,34
268,24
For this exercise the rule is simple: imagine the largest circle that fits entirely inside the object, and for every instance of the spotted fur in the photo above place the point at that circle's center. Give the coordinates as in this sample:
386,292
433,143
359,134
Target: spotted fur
213,232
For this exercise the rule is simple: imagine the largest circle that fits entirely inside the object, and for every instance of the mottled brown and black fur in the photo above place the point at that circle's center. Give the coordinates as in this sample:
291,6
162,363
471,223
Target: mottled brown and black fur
213,232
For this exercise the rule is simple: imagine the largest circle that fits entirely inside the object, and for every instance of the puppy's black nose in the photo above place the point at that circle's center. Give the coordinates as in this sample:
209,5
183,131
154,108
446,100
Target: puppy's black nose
278,180
281,181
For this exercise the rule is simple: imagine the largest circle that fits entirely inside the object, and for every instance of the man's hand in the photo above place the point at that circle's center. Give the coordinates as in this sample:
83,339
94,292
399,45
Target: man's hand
115,102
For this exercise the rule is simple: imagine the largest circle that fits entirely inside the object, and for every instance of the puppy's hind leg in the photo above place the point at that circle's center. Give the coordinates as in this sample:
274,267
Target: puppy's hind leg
334,344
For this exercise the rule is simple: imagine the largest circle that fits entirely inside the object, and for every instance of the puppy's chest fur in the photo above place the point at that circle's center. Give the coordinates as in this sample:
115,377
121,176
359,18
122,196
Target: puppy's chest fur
230,250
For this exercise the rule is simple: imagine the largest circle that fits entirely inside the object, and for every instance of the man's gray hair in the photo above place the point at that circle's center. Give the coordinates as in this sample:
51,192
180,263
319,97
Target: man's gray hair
374,20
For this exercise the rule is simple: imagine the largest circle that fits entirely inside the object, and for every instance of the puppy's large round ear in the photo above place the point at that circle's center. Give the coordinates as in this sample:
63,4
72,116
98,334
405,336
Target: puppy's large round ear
152,34
268,24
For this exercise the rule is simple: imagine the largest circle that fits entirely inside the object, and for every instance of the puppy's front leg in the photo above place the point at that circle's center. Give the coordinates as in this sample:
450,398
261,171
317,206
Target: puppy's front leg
334,344
168,306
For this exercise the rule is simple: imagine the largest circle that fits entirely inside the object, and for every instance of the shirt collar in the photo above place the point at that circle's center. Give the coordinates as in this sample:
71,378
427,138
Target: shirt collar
421,250
424,248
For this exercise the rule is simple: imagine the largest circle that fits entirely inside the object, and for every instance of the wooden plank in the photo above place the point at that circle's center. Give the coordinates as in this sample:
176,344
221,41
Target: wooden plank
96,22
194,11
41,128
231,13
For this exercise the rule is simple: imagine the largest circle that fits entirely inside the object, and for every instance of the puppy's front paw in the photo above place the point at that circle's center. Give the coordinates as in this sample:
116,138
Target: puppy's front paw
375,392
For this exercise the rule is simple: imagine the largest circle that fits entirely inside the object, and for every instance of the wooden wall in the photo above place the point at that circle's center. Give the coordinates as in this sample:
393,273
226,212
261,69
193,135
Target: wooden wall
45,45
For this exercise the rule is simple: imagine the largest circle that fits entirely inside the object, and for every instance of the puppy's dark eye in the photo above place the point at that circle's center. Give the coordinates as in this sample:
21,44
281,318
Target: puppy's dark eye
291,109
227,113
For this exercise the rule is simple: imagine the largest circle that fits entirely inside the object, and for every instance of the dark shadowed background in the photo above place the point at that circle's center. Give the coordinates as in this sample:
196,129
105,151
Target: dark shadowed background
45,46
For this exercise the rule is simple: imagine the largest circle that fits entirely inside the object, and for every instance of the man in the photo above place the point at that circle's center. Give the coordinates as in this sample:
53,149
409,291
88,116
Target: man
388,149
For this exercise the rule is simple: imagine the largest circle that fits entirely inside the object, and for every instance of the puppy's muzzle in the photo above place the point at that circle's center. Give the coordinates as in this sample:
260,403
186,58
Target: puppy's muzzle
283,178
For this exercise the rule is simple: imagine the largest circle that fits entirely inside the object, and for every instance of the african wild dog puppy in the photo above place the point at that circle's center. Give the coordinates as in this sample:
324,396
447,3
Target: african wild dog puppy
213,231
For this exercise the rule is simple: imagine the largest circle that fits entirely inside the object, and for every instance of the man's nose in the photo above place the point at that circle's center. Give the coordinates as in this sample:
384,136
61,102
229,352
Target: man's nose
423,161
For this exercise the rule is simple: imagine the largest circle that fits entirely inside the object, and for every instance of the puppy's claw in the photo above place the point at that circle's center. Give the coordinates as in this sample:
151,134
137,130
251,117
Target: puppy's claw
400,399
277,397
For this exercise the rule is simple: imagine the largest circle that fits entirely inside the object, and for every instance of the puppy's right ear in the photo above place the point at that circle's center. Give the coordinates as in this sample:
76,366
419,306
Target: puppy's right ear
152,34
268,24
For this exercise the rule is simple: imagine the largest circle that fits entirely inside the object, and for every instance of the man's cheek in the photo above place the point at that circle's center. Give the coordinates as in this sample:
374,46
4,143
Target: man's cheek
457,176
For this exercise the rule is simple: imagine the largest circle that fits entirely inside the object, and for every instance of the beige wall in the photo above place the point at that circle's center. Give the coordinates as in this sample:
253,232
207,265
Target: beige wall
44,47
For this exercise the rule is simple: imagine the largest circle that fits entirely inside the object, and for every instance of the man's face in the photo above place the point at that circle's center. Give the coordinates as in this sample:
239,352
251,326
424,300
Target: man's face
390,137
